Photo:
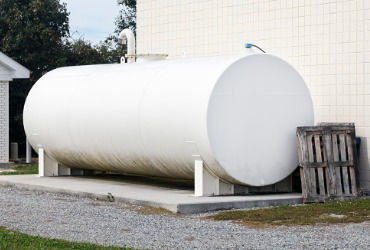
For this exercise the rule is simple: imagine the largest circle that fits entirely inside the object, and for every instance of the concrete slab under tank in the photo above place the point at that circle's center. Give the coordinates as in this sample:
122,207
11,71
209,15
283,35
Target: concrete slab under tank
175,196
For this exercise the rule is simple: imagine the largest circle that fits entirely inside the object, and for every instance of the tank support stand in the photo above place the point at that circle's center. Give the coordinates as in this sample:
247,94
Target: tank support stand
207,184
49,167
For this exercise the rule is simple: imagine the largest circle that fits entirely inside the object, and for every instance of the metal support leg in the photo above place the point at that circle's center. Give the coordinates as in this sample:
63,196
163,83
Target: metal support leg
62,170
47,166
41,161
206,184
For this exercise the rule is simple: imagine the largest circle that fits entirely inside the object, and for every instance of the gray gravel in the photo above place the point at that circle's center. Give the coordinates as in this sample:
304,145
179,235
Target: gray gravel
84,219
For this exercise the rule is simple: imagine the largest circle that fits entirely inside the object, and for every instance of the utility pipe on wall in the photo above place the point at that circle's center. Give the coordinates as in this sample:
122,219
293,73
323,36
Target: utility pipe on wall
128,35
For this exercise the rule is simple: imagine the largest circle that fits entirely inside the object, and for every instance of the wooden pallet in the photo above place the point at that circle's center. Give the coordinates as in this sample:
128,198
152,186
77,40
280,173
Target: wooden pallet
328,163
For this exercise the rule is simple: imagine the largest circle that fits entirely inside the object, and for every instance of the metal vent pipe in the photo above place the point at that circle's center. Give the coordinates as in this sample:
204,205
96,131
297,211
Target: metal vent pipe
128,35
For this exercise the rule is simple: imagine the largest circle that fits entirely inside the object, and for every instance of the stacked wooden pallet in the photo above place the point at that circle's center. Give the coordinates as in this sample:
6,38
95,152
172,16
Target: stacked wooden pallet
328,162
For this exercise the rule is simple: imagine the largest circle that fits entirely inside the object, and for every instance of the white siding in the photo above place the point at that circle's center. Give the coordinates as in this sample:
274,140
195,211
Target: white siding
5,73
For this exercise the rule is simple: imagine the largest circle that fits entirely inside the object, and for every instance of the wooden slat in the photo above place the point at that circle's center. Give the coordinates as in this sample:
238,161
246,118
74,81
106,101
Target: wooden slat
303,183
312,171
351,168
329,156
303,156
320,172
343,155
355,188
314,165
323,164
336,159
301,148
326,169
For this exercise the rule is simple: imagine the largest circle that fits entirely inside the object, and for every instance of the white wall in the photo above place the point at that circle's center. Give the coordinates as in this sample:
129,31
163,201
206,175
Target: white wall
4,73
4,122
328,41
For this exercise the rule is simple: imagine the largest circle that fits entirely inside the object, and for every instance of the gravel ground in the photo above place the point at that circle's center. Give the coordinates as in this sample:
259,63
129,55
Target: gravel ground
84,219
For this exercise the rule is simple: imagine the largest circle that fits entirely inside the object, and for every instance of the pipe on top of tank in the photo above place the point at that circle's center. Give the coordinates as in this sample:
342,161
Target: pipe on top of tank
128,35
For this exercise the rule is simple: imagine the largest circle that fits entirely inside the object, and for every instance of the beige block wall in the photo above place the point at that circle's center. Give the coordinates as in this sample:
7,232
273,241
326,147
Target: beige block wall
327,41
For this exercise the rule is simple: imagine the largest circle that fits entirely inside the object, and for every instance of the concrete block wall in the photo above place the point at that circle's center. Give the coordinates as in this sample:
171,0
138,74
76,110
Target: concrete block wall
325,40
4,122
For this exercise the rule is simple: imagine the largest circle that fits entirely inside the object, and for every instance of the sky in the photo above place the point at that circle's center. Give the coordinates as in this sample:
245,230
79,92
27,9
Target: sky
92,19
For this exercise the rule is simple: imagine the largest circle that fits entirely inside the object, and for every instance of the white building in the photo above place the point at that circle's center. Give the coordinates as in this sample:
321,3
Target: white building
9,70
327,41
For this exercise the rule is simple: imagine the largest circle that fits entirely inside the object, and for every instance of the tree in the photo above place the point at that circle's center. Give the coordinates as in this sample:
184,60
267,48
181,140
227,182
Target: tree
82,52
32,33
127,16
110,49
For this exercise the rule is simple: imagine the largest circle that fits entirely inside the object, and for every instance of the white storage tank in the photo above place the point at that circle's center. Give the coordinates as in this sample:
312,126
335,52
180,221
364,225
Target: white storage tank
239,113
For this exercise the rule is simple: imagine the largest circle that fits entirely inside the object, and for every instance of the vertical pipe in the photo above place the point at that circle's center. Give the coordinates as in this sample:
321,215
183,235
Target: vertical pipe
28,152
128,35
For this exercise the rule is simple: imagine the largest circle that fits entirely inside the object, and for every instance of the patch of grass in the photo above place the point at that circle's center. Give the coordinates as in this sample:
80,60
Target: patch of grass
23,169
309,214
27,167
15,240
152,210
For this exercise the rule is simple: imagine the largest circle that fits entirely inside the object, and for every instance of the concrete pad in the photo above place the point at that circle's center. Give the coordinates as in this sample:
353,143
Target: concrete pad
175,196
